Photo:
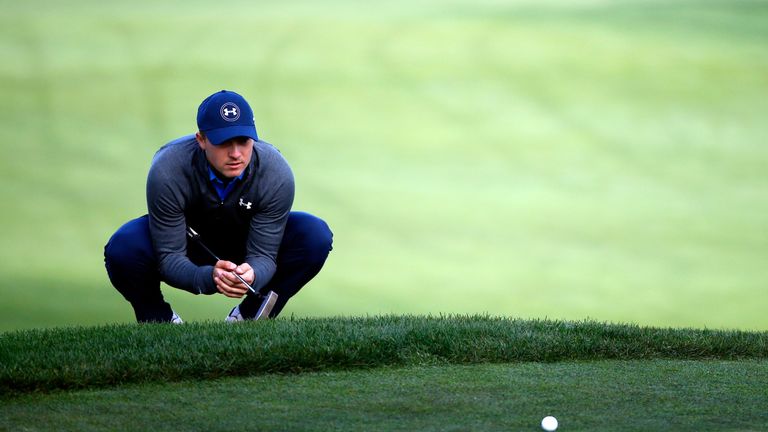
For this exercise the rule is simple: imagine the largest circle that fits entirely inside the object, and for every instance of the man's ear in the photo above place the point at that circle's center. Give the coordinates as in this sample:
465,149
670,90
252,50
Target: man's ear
200,140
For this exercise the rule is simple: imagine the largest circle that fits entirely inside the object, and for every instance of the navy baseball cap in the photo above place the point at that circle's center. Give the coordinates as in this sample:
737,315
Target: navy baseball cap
225,115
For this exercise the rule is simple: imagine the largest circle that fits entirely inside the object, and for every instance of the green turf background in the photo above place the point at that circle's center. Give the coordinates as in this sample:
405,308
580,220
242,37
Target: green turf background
603,159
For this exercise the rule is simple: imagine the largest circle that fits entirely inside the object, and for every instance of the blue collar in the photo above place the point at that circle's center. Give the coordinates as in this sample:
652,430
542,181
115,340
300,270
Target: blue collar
222,188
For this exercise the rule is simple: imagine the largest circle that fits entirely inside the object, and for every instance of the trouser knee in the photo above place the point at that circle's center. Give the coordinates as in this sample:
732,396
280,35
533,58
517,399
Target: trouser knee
311,235
130,260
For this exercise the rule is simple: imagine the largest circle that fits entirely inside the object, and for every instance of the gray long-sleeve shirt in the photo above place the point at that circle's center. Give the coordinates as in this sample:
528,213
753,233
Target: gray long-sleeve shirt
247,226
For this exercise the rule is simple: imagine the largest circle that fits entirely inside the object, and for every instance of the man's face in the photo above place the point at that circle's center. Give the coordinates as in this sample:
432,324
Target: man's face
230,157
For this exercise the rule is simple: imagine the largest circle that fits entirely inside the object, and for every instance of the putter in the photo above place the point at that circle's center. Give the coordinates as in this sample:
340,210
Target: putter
269,299
266,306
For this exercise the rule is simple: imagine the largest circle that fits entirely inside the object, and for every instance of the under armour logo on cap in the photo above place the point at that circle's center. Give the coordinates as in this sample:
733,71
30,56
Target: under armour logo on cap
230,112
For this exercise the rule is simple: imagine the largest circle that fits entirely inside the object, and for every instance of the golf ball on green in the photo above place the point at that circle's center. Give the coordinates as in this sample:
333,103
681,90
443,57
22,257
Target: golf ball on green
549,423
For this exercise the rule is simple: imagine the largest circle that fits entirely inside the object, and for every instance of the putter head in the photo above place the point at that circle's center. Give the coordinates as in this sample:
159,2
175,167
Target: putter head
266,306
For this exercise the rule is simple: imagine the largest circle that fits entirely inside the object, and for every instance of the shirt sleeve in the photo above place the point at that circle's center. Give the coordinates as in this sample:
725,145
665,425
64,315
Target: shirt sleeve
268,224
167,227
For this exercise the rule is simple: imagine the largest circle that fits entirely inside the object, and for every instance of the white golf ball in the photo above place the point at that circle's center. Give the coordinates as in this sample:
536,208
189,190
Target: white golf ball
549,423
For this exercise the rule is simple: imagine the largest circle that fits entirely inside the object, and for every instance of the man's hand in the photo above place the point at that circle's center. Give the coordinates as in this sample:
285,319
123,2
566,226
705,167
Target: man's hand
227,283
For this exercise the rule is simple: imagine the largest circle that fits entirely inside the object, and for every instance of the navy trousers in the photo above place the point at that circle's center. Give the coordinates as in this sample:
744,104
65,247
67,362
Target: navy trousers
133,268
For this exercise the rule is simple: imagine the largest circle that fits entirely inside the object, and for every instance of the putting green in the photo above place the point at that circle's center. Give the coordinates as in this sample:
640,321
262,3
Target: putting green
589,396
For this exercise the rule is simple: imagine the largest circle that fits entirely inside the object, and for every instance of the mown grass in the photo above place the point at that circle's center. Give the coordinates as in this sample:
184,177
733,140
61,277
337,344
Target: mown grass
77,358
639,395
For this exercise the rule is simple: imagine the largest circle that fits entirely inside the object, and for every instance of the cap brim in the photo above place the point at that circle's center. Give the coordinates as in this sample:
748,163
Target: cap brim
218,136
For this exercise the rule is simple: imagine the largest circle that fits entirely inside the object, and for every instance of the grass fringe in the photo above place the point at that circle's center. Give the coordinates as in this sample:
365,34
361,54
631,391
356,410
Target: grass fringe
89,357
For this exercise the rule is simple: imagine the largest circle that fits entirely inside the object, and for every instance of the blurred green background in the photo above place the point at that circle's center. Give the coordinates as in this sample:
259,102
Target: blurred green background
571,159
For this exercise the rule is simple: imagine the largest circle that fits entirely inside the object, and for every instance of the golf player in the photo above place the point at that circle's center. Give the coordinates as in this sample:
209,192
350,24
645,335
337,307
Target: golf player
236,192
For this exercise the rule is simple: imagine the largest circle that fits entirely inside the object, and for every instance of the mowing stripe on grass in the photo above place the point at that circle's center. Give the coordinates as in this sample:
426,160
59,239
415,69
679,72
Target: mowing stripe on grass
70,358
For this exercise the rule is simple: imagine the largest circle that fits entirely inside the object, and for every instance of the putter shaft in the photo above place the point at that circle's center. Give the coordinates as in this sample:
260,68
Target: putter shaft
250,288
196,237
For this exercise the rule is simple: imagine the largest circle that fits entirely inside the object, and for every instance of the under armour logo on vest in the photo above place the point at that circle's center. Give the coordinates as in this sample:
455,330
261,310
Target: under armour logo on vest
247,205
230,112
